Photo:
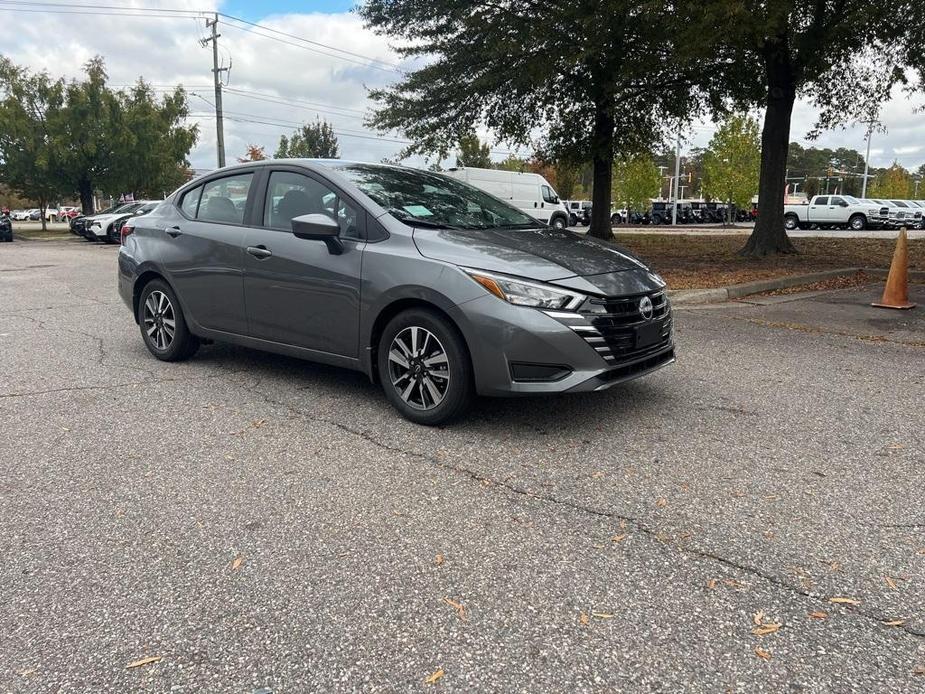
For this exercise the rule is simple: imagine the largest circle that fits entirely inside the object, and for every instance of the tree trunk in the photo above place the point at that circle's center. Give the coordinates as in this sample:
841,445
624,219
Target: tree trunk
769,236
85,188
43,211
602,164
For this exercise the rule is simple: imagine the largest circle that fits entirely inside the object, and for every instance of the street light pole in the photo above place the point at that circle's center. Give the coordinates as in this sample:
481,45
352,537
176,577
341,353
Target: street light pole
677,178
870,130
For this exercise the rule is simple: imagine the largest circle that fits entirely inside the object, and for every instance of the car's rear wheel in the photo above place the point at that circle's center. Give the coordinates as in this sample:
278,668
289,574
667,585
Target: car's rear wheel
791,222
425,368
163,327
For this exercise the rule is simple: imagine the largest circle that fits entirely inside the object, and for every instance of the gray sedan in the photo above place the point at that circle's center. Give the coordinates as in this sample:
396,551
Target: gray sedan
430,286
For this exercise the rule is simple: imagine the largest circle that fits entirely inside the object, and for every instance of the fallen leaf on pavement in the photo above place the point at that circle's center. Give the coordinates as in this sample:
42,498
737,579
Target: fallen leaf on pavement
890,582
432,679
845,601
761,653
236,564
623,525
819,614
618,538
602,615
758,617
597,475
711,584
894,623
145,661
919,671
732,583
258,423
766,629
662,502
583,619
438,560
458,606
738,493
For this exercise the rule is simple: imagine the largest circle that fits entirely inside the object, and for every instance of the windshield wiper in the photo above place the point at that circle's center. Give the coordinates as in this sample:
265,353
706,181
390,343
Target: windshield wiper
524,225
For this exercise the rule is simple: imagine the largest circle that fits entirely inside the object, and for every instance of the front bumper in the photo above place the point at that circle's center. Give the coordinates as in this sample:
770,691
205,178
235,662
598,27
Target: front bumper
504,339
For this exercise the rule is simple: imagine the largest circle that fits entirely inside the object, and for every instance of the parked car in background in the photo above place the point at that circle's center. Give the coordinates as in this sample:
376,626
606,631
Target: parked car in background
99,226
428,285
6,228
35,214
910,209
836,211
66,214
898,215
579,212
19,215
528,192
115,229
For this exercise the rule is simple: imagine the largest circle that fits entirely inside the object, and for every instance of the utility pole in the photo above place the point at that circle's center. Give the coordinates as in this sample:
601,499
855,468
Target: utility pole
677,178
217,80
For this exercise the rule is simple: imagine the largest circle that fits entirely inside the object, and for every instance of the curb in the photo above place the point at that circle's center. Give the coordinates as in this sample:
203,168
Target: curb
717,295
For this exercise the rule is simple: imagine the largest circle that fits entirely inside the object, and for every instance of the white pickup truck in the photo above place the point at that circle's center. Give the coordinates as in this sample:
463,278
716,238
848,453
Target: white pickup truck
841,211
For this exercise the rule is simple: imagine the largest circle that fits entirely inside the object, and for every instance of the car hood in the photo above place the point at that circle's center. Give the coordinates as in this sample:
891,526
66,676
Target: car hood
541,254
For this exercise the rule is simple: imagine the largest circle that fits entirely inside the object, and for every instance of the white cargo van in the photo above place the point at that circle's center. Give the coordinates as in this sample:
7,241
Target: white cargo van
528,192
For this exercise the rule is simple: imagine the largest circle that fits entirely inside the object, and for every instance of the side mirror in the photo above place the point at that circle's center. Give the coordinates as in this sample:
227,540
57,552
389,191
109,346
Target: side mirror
318,227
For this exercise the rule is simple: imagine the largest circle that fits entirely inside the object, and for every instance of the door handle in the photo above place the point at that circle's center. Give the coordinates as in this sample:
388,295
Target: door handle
259,252
173,232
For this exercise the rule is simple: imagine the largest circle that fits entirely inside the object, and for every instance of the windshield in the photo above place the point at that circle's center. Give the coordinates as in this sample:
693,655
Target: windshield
130,207
851,200
424,198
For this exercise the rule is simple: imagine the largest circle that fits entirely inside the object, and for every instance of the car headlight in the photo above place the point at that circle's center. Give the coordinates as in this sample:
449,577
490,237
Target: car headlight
525,293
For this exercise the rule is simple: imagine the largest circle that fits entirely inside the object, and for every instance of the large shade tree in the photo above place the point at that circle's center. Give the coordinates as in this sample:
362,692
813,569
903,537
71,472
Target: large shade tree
842,55
610,83
732,161
312,141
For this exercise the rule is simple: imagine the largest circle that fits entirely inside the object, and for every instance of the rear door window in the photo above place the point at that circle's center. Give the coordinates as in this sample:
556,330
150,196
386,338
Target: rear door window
225,199
189,203
822,201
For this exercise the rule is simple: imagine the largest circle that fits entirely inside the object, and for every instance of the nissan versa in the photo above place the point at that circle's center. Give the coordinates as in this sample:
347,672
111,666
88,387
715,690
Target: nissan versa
432,287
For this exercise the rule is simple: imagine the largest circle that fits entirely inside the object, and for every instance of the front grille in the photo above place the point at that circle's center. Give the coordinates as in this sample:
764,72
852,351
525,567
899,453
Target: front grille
610,326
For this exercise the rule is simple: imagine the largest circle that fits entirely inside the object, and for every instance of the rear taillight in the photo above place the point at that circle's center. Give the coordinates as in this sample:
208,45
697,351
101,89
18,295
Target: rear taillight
125,232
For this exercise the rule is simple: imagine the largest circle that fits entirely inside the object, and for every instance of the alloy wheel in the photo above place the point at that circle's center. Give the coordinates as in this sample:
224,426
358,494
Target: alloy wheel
160,321
419,368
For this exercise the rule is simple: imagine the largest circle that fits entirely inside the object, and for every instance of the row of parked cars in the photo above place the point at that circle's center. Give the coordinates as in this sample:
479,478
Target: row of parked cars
107,225
857,214
52,214
661,212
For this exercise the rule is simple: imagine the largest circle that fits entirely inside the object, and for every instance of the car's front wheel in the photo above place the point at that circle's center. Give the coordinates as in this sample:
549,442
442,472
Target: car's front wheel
424,367
559,223
163,327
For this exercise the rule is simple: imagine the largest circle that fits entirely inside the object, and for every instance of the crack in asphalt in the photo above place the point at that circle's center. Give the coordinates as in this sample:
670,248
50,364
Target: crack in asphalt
638,523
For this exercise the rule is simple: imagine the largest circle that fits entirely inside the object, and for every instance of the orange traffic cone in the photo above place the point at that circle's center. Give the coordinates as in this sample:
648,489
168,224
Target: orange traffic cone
896,292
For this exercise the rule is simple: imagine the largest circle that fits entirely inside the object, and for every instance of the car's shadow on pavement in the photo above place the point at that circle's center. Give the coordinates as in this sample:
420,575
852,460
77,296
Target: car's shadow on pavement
292,379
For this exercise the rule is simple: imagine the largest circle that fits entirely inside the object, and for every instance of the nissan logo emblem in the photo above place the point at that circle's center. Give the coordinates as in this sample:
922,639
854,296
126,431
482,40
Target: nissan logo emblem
645,307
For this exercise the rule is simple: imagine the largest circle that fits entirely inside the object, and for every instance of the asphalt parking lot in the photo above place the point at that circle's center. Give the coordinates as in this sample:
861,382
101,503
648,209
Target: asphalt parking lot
749,519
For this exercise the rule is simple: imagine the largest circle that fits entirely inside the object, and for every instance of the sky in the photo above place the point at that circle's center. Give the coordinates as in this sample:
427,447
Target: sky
279,82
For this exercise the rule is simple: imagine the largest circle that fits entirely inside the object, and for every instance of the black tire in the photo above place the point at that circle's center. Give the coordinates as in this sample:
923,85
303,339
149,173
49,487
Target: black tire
791,222
615,219
858,222
182,344
457,373
656,219
559,223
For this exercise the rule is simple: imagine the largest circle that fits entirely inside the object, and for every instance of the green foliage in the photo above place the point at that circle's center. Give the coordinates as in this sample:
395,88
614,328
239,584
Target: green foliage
31,105
583,71
60,138
312,141
732,161
894,183
513,163
473,153
635,182
842,55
